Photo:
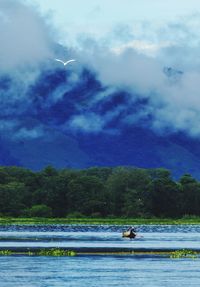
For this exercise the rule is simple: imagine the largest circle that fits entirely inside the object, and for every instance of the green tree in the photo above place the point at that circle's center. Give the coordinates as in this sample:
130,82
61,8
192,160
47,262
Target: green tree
190,189
128,190
86,195
41,210
12,198
165,196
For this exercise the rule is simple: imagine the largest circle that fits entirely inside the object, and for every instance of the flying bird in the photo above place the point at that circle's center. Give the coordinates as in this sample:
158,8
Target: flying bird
65,63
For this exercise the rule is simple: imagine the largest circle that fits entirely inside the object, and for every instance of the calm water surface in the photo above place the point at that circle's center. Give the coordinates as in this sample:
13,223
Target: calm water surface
107,270
151,237
98,271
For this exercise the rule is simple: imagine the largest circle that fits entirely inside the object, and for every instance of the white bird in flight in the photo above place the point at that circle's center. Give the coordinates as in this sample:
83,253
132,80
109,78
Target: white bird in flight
65,63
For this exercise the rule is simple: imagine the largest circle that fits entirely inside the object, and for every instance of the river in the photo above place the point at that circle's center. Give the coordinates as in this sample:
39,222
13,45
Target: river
99,270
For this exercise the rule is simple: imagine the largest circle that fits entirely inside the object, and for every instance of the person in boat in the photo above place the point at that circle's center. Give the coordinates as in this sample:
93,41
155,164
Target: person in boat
131,233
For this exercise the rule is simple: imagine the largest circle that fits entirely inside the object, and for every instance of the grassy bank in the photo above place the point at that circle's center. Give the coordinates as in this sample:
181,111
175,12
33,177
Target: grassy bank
114,221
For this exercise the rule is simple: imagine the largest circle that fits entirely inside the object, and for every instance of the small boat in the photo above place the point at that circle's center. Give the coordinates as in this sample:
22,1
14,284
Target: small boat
130,233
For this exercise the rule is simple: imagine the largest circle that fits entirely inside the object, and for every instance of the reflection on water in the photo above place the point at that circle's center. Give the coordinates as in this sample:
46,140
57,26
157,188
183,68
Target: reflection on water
149,236
98,271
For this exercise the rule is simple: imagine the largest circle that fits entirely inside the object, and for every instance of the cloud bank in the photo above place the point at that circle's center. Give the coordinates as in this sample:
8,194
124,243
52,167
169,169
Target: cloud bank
155,85
172,98
25,38
26,46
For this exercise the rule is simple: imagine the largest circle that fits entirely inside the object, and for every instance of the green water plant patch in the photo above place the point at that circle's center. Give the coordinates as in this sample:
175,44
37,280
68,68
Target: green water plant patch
184,254
5,252
56,252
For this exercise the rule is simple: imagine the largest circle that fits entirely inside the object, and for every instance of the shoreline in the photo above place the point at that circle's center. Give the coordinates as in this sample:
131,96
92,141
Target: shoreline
98,221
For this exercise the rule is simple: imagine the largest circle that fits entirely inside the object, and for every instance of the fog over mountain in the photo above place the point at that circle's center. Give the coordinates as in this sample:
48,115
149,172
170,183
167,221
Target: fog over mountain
122,106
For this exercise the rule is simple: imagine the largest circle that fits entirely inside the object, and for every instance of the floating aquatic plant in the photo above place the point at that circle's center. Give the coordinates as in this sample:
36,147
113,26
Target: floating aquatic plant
5,252
43,252
56,252
184,254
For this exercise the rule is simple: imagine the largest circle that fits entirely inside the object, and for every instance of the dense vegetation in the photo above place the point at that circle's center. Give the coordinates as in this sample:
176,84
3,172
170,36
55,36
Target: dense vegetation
97,192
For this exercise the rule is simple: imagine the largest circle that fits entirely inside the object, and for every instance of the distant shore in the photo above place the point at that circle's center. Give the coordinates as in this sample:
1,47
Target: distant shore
99,221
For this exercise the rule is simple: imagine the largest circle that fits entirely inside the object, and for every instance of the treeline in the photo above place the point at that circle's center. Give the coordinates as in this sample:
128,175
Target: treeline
97,192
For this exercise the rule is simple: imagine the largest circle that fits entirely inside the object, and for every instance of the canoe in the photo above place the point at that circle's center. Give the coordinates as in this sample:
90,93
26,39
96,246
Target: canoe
129,234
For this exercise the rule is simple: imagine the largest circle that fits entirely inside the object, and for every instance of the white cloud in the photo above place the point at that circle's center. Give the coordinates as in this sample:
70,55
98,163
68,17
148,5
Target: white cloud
134,65
8,125
142,47
87,122
25,133
172,101
24,36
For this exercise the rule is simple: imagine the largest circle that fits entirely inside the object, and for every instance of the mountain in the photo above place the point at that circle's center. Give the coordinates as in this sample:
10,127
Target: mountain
70,122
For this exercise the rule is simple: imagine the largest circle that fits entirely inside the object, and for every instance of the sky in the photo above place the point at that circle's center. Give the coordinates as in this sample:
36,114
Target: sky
148,51
144,21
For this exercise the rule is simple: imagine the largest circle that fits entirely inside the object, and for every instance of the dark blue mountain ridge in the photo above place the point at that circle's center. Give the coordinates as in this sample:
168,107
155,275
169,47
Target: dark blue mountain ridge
83,124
